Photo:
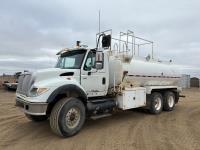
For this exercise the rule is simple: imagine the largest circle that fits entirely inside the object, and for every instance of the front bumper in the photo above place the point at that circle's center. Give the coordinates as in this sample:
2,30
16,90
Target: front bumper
31,108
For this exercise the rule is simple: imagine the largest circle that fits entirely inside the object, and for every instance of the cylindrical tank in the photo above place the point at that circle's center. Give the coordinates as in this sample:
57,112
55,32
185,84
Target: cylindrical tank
143,72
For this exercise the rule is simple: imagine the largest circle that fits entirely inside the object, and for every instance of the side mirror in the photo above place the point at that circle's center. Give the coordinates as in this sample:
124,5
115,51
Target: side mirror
106,41
99,60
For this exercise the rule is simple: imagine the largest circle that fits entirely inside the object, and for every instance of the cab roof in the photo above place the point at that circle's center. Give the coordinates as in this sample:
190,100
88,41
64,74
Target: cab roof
70,49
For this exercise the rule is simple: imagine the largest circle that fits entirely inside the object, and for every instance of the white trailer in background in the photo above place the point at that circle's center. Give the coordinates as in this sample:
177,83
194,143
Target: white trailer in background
94,82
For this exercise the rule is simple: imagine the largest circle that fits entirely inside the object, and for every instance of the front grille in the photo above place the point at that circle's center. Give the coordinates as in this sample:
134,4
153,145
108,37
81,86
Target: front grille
25,82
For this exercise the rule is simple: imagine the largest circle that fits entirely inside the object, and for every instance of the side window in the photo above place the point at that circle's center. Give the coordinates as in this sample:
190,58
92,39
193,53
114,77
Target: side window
90,61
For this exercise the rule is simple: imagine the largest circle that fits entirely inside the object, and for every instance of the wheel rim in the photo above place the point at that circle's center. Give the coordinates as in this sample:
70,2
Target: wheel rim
170,101
157,103
73,117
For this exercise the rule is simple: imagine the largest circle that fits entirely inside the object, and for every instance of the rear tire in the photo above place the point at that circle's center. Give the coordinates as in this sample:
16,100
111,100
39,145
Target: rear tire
155,103
169,101
36,118
67,117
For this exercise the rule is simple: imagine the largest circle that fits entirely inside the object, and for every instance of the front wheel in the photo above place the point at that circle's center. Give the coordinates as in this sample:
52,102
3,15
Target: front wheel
67,117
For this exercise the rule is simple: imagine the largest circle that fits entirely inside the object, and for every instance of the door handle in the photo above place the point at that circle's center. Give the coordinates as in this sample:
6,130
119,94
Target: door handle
103,80
84,77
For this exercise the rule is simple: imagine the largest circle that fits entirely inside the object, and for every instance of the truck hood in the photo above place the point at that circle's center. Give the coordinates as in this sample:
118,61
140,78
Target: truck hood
45,74
52,77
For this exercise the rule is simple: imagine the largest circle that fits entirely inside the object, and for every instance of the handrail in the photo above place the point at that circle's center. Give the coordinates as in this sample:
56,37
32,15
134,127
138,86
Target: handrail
126,44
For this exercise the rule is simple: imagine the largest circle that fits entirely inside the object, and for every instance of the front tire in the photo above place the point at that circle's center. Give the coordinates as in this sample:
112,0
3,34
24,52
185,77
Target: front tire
36,118
156,103
67,117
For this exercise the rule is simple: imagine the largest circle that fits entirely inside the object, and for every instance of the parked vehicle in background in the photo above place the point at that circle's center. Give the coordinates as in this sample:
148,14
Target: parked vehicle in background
12,85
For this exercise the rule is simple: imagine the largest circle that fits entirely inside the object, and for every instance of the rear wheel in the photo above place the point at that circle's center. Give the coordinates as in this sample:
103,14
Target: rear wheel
156,103
169,101
36,118
67,117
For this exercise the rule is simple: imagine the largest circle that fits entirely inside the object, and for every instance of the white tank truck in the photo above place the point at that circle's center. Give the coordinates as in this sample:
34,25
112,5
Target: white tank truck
92,83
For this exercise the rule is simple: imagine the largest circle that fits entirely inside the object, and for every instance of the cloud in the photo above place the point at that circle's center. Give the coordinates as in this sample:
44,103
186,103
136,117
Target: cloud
34,29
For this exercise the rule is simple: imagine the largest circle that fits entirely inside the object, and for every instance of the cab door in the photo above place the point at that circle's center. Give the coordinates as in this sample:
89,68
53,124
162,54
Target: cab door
93,81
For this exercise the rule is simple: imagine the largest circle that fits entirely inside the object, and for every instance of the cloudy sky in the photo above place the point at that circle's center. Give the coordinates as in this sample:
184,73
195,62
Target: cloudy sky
32,31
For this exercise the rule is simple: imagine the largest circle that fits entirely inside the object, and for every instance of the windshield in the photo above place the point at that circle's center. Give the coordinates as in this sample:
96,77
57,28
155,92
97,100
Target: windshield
71,60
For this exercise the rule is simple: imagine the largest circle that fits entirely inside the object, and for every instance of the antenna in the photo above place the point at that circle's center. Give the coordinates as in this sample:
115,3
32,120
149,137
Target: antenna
99,20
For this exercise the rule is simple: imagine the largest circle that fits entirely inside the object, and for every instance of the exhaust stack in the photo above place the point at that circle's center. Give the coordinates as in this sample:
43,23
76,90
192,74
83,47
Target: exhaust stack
78,44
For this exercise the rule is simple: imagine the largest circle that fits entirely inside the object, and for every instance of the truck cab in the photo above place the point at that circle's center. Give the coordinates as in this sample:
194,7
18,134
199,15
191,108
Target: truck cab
83,60
75,70
75,75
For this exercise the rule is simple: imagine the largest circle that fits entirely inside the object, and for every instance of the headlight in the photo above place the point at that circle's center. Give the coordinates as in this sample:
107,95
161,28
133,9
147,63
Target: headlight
37,91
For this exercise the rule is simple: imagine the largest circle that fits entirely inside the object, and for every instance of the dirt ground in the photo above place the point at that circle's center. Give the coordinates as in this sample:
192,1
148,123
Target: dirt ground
179,129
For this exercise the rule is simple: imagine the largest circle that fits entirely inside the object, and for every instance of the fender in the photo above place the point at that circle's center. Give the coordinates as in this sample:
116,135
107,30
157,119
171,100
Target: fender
63,89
